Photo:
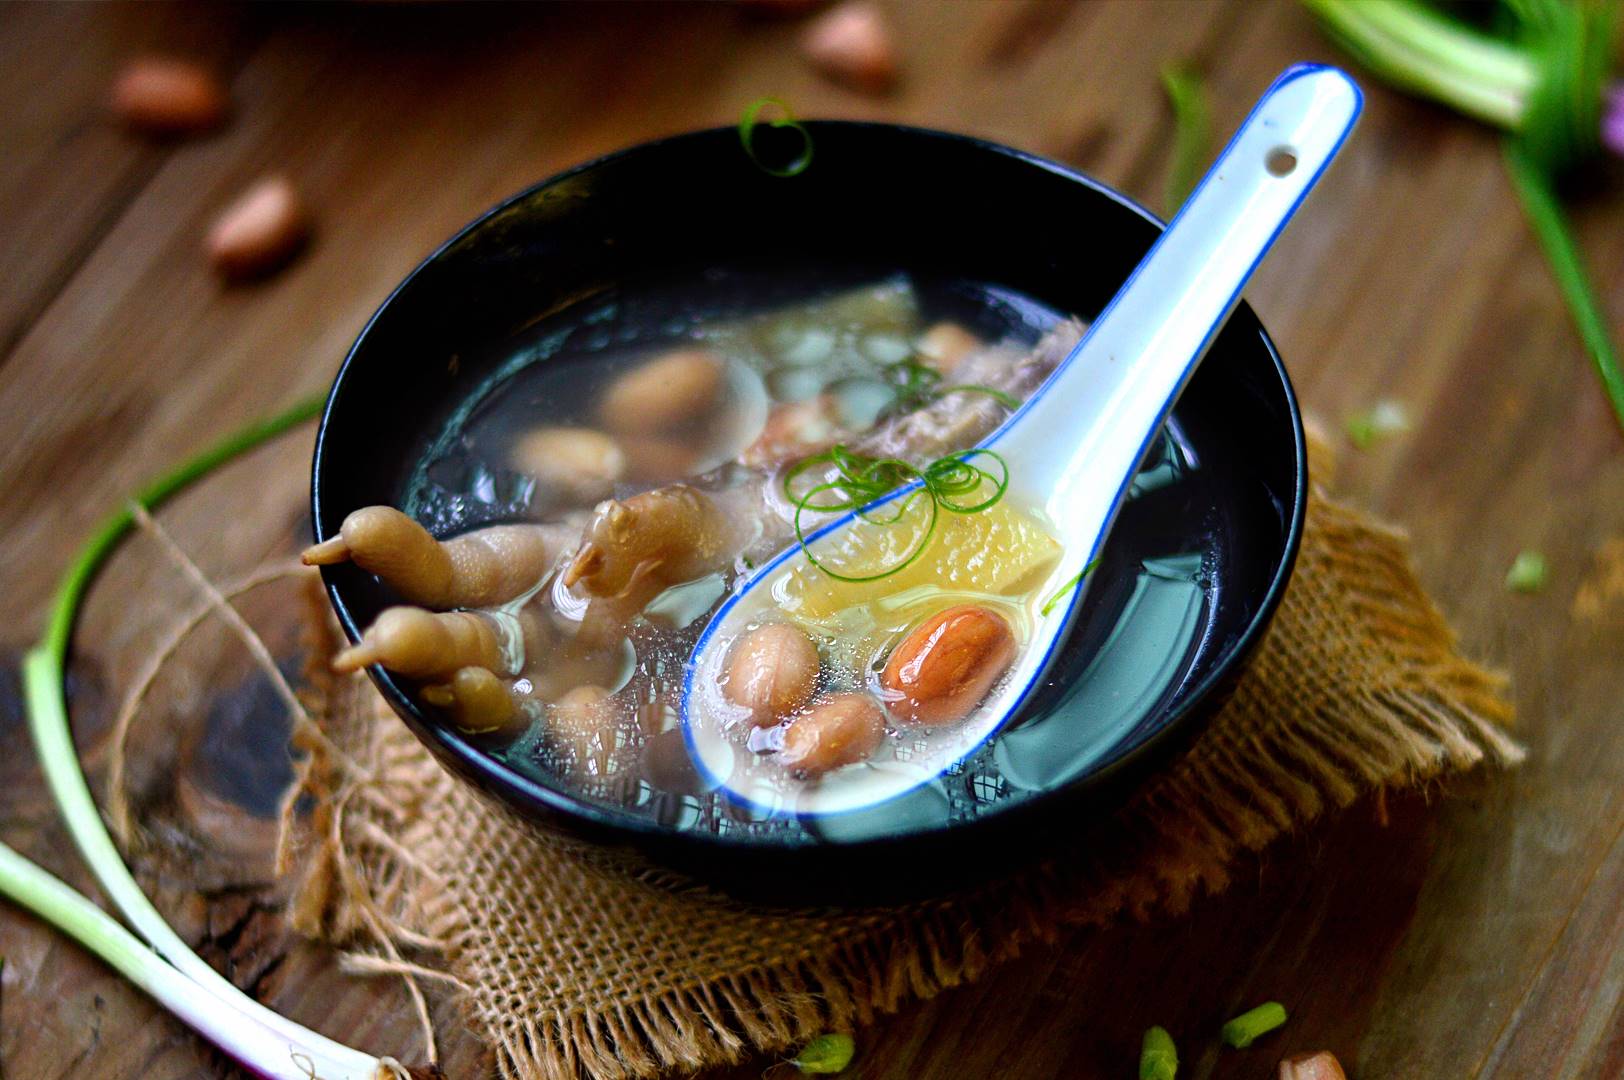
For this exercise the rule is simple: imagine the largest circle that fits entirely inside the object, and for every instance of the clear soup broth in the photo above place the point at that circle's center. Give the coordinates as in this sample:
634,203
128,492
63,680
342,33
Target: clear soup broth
759,375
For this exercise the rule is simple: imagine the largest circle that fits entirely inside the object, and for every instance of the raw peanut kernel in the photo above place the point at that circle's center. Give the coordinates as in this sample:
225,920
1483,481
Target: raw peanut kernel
163,96
851,44
772,673
942,670
1320,1066
259,232
843,730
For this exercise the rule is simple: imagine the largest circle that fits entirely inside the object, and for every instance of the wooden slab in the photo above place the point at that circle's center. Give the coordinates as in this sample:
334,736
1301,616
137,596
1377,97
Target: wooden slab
1474,934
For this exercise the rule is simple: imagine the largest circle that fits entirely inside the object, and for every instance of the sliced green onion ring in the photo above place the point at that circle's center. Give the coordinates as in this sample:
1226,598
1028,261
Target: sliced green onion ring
860,481
747,133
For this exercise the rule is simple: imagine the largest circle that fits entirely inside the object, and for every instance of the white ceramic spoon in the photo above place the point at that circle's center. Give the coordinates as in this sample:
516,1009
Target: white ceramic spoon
1075,445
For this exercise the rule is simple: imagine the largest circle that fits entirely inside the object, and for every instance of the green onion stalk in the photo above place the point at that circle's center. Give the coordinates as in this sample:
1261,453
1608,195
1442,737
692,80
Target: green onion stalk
1544,76
1192,132
153,957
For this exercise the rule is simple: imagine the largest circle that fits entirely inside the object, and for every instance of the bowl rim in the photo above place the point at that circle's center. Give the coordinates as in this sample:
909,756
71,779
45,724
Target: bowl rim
475,763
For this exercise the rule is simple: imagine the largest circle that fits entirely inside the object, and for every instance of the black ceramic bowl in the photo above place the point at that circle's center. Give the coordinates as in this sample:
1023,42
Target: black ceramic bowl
875,196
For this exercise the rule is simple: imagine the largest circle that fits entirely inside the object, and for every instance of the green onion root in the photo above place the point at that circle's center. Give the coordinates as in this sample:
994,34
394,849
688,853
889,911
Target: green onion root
254,1044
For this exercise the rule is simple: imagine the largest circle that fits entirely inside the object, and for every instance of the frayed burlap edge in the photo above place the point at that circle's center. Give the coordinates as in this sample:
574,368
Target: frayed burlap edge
1357,687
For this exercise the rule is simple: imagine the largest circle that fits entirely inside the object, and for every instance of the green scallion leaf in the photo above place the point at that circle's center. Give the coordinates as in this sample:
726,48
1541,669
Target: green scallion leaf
826,1054
1158,1057
853,481
1065,590
1241,1031
1550,225
747,136
915,385
1571,45
1529,572
1192,132
1008,401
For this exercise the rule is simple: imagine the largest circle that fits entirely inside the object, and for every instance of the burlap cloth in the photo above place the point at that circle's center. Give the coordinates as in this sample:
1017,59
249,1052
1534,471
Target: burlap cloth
569,965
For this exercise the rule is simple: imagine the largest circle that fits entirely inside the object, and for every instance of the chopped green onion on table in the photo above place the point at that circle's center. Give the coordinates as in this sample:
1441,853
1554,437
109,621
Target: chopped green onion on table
1158,1057
825,1055
1249,1025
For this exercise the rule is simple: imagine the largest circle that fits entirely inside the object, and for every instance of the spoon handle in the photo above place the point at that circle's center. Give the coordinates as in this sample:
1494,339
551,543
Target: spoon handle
1106,402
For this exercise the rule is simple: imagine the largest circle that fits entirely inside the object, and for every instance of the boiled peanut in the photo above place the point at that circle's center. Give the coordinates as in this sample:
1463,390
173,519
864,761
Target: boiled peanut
655,459
664,393
261,230
946,665
851,44
945,345
580,463
583,720
842,730
1320,1066
772,672
165,96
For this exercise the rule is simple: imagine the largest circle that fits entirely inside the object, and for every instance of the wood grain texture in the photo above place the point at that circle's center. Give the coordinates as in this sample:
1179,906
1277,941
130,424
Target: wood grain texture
1474,934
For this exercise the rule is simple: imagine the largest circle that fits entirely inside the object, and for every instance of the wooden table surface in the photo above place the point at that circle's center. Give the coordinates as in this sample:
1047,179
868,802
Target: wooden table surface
1479,932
